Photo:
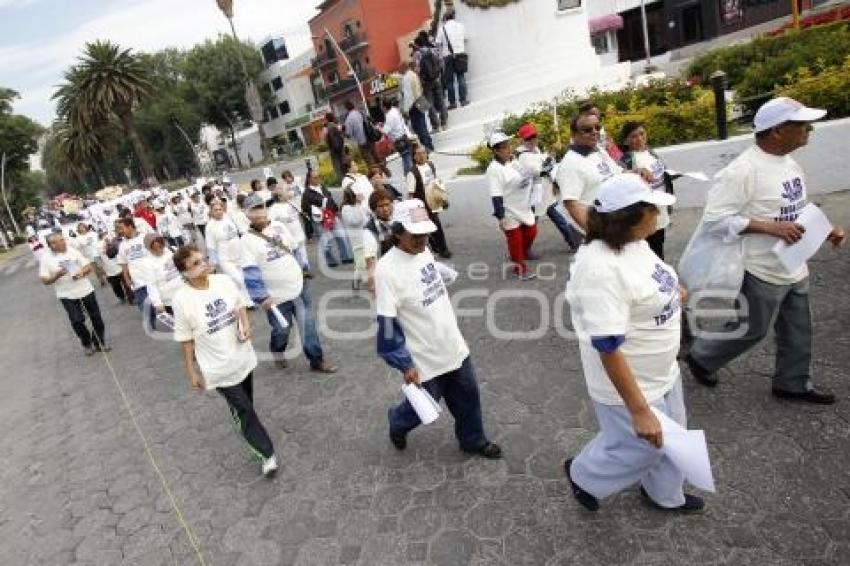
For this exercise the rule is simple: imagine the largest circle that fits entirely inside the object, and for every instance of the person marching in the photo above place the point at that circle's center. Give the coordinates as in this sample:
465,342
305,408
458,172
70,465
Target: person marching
377,236
510,193
420,178
285,211
638,157
211,323
758,198
200,213
131,253
68,270
275,281
419,336
87,243
223,246
113,272
354,216
320,205
168,225
626,306
159,274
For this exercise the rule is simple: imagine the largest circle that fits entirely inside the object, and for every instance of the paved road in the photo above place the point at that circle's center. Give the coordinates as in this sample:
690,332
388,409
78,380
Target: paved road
76,486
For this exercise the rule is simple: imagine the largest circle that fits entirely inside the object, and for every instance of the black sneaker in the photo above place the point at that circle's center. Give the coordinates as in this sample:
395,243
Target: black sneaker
703,376
692,504
399,440
587,501
818,397
491,451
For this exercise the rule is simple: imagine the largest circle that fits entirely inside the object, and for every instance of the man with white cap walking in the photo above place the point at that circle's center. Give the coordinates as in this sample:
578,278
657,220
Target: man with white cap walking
419,336
759,197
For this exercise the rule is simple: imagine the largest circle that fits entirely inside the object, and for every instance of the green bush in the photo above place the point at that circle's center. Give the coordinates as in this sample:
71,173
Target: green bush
829,89
673,111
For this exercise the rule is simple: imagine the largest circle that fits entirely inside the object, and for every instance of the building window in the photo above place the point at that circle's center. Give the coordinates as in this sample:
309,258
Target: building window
357,66
600,43
333,77
277,83
568,4
274,51
272,113
348,29
284,108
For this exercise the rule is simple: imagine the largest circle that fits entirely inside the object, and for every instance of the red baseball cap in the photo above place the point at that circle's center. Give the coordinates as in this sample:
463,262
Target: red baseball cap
527,131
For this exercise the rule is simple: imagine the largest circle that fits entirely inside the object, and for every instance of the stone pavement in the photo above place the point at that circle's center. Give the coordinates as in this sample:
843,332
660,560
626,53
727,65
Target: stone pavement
76,486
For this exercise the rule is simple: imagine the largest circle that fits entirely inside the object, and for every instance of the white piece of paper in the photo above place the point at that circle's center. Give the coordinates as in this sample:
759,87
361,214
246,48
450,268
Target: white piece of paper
697,175
817,226
422,402
279,317
687,450
267,172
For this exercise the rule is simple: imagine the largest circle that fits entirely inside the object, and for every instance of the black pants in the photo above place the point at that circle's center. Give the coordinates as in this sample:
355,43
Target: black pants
202,228
438,239
77,310
656,243
240,399
118,286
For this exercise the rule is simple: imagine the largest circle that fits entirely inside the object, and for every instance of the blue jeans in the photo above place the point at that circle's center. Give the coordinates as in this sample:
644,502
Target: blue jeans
460,390
300,308
420,127
449,77
140,297
571,235
338,235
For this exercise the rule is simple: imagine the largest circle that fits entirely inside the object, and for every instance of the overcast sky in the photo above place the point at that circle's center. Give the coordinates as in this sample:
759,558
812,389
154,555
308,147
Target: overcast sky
39,39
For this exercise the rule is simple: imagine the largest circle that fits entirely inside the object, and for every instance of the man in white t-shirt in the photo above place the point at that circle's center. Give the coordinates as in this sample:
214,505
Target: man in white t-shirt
200,213
759,197
131,255
583,168
419,336
275,281
68,270
452,38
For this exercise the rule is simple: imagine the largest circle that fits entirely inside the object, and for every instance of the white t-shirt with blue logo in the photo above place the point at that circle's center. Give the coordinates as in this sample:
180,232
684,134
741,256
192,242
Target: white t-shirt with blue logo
281,273
72,261
132,253
632,294
761,186
645,160
579,177
208,317
410,289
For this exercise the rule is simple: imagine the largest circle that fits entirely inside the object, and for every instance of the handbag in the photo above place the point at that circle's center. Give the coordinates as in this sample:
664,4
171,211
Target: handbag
422,104
437,196
460,60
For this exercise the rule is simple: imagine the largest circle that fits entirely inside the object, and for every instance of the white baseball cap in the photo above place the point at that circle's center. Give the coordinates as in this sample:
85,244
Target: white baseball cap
626,189
496,138
413,216
784,109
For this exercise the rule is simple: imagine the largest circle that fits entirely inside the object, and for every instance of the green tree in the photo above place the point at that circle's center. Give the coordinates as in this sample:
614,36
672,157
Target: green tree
18,140
216,82
107,81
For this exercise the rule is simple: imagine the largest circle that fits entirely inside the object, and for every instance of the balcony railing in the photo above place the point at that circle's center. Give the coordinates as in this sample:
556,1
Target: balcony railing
323,59
353,41
348,83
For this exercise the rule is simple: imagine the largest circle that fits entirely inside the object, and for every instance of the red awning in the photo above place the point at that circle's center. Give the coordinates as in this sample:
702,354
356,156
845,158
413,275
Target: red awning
605,23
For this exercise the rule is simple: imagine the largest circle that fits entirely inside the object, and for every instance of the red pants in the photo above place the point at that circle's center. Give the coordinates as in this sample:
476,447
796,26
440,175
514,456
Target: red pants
519,242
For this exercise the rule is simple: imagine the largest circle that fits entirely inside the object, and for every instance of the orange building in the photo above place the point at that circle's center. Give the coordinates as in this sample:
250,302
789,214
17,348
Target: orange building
366,31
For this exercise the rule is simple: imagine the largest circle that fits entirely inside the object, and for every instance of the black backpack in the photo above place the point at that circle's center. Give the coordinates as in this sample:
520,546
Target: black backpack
373,134
429,66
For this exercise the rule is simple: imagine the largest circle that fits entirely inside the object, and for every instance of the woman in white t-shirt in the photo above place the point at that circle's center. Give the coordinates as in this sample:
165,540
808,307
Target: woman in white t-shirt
638,157
159,274
626,310
420,177
354,217
87,244
212,324
223,245
288,213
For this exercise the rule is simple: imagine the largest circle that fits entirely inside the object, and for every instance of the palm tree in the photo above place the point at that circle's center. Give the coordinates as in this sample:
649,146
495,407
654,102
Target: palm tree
106,81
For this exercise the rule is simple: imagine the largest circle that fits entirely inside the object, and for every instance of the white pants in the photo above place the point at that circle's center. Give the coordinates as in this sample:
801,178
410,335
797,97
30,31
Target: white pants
616,458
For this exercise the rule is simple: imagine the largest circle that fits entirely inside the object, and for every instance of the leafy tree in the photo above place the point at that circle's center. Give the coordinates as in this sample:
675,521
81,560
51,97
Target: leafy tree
18,140
215,78
107,81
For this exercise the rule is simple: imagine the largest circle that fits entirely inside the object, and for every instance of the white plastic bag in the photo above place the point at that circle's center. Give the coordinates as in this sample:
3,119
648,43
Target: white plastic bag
711,264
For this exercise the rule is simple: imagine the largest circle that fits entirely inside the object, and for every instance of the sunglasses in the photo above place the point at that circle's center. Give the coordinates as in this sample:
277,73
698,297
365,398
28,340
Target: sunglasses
590,129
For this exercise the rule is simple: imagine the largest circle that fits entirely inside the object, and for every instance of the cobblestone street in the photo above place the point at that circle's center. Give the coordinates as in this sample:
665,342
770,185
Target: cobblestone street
76,486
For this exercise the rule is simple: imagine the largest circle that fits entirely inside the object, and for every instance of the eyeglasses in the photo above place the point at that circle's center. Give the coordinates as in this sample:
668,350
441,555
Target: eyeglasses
590,129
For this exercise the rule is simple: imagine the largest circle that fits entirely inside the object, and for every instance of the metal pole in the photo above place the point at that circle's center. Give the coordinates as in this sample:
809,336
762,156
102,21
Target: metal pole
795,14
718,83
189,141
645,35
350,68
3,191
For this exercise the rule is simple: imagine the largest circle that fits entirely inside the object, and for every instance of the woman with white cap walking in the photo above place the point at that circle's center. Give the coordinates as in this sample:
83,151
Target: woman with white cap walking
626,309
510,192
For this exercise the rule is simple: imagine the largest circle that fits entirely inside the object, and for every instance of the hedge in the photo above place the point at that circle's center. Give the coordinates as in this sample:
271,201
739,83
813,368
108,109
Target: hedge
829,89
672,110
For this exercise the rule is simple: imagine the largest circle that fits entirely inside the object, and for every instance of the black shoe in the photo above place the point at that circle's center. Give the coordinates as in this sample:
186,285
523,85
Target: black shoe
399,440
452,106
587,501
347,261
707,378
692,504
491,451
815,396
333,264
446,254
103,347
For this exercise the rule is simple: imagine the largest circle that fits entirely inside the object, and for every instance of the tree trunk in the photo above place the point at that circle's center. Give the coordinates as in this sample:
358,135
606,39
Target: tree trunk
129,125
235,147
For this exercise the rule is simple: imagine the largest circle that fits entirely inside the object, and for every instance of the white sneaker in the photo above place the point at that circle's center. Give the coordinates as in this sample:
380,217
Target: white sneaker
270,466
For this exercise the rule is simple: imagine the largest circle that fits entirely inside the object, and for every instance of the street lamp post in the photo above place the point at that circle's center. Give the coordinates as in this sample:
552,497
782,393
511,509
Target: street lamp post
645,35
252,97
